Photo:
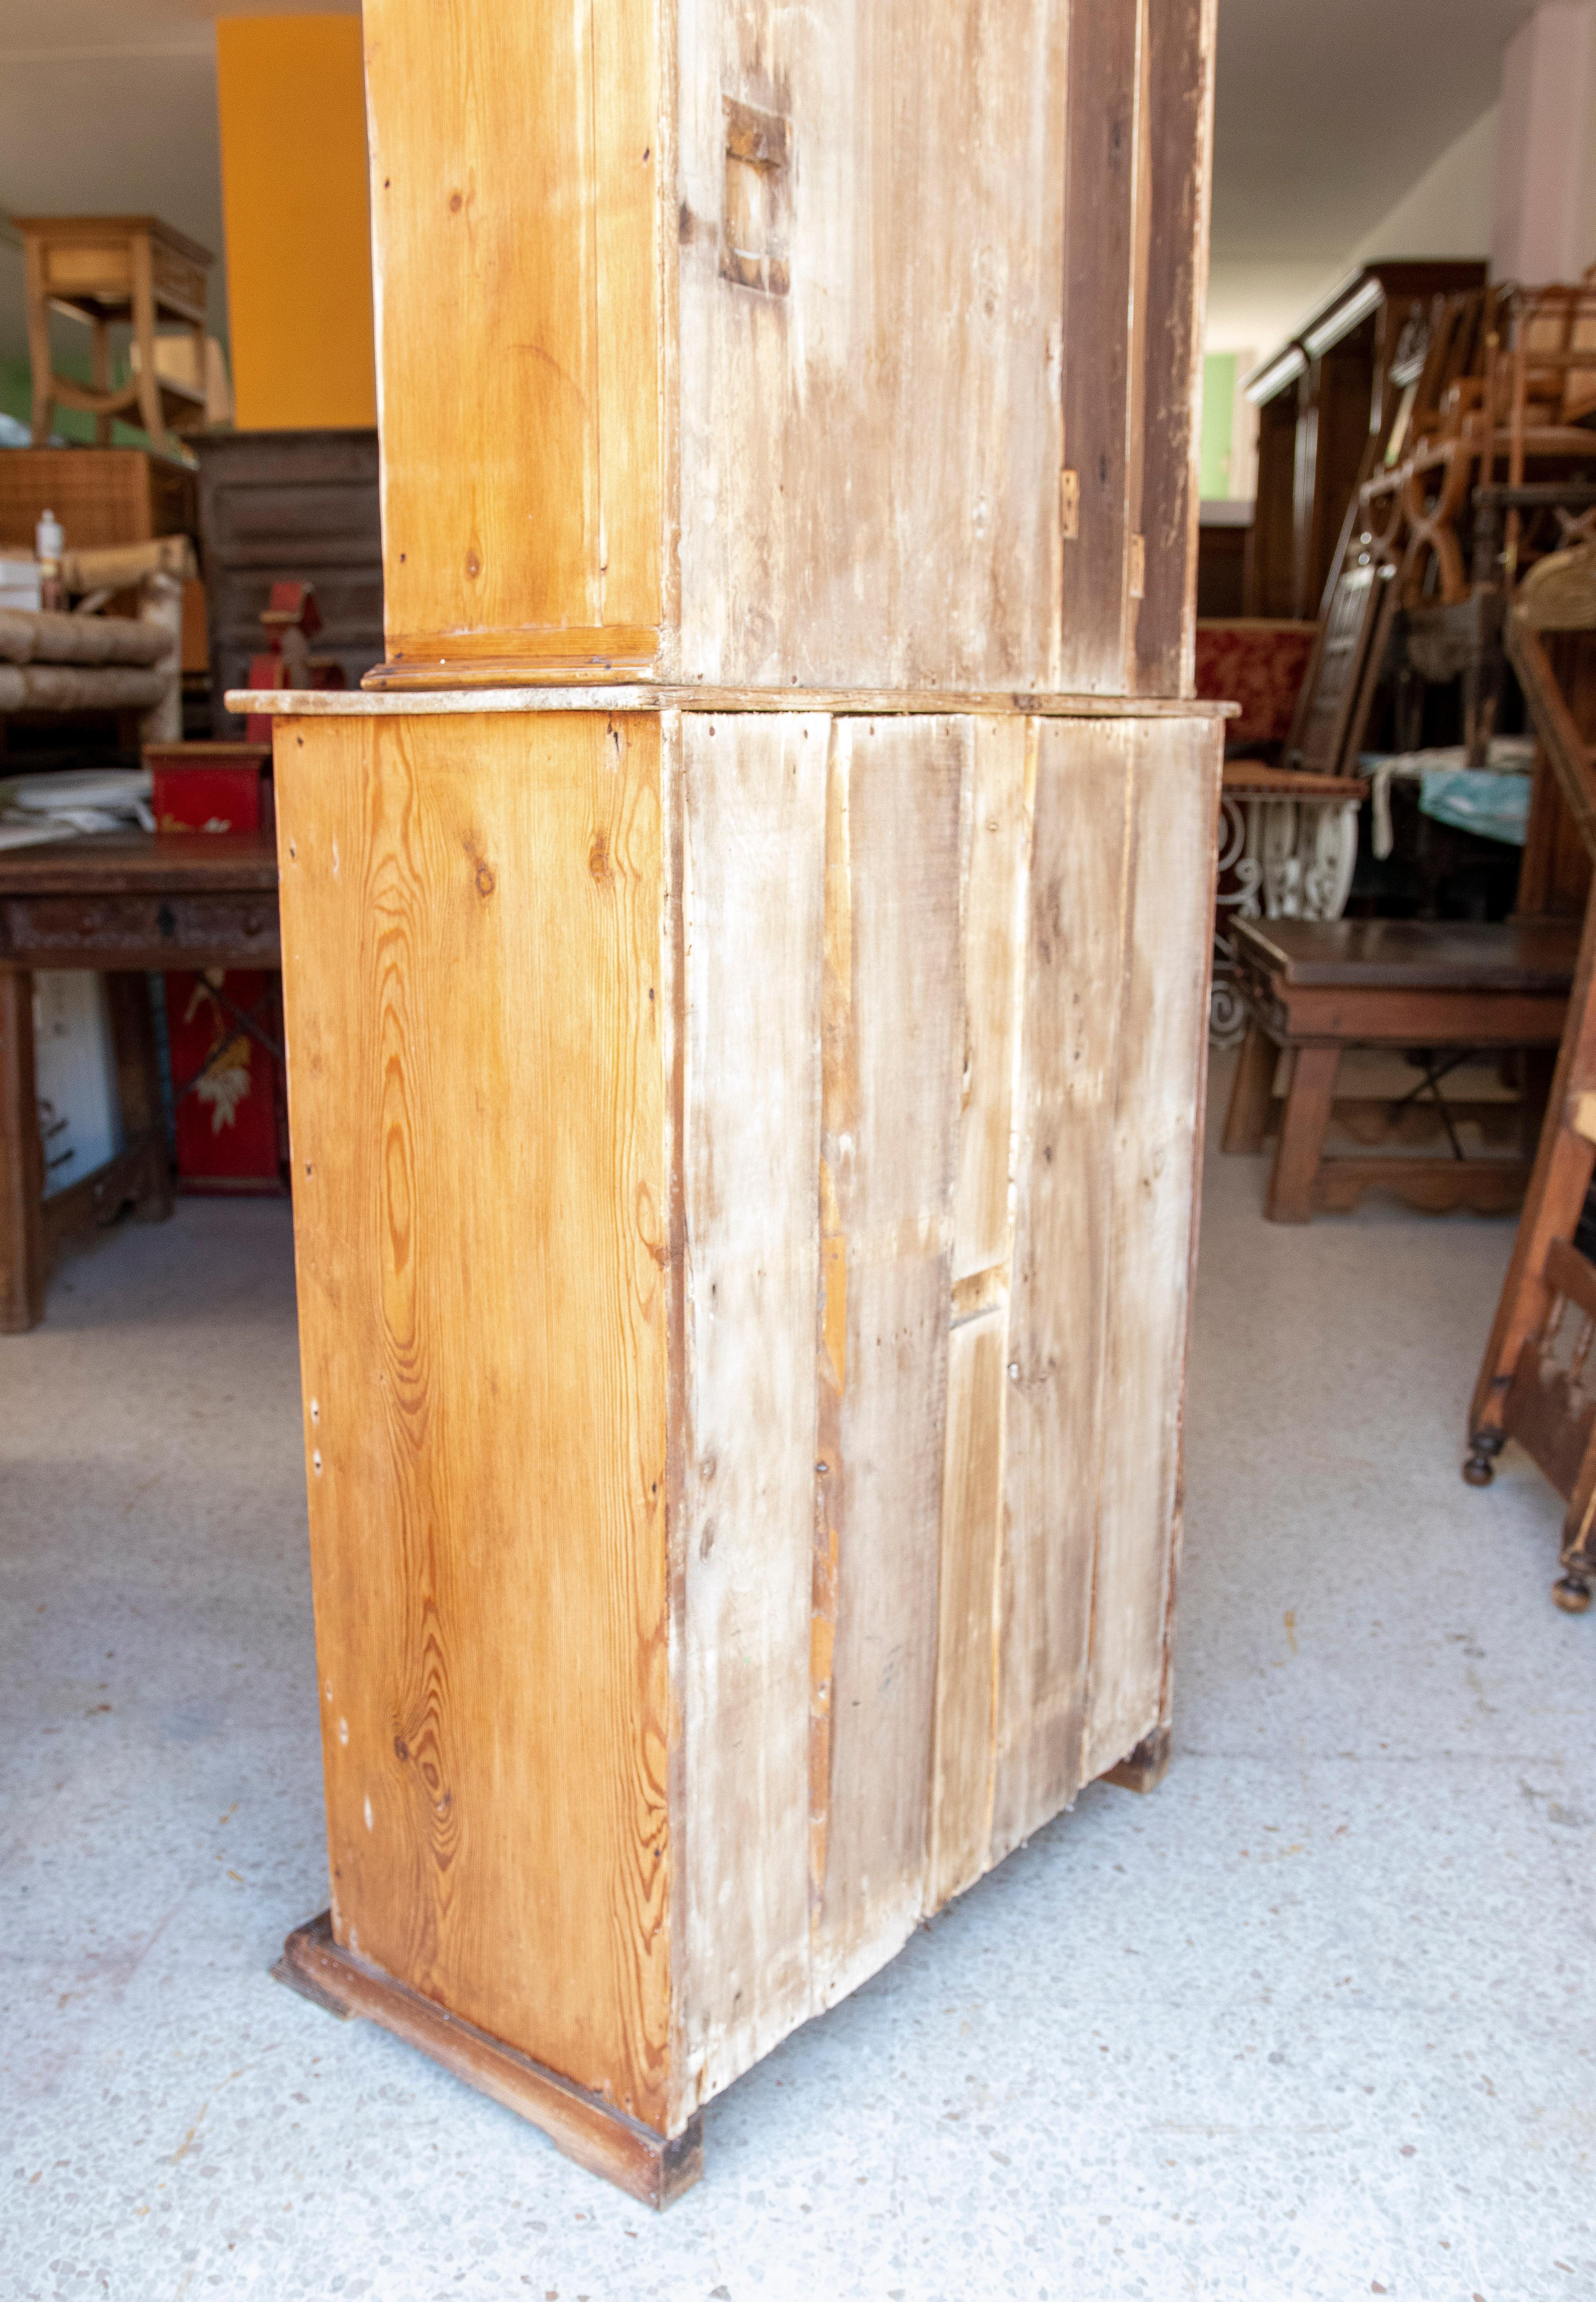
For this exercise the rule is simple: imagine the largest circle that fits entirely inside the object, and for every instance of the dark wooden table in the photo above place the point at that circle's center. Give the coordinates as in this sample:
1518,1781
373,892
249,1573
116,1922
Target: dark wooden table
124,904
1441,988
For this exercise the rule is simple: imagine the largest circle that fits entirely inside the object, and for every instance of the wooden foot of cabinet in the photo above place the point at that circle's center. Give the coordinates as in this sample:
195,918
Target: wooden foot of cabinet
1147,1766
648,2166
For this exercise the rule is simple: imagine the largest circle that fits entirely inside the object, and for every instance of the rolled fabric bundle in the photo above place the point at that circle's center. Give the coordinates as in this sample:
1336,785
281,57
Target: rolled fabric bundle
79,687
116,566
26,637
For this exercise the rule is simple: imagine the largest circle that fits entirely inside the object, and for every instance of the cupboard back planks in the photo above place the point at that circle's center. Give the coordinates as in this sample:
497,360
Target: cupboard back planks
746,971
835,347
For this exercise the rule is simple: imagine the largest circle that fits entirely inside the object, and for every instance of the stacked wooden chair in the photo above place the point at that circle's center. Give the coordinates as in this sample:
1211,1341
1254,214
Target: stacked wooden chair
1535,1384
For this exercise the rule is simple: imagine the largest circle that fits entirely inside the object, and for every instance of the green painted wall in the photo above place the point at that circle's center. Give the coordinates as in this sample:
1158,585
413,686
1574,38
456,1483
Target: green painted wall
1219,416
16,398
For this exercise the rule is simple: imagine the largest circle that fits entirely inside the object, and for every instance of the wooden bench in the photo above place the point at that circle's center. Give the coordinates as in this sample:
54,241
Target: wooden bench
124,904
1438,989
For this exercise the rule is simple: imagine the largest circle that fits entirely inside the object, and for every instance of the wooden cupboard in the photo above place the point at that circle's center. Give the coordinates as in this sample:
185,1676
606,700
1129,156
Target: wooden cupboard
746,958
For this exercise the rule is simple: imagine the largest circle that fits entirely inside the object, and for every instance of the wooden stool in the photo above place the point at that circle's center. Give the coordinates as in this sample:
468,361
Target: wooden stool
133,270
1318,987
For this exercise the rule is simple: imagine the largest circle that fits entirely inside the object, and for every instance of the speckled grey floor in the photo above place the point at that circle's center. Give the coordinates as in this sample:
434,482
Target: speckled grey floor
1315,2021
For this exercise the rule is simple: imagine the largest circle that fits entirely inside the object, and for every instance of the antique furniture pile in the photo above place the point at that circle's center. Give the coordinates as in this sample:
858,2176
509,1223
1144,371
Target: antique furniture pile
1533,1385
746,959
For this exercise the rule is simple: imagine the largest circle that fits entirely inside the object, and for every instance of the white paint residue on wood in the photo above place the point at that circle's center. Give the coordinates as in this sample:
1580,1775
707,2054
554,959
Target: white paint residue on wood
892,1086
1162,1044
1055,1409
754,793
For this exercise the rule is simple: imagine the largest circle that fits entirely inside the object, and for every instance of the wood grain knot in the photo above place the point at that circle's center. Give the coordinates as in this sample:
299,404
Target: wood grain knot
485,882
598,859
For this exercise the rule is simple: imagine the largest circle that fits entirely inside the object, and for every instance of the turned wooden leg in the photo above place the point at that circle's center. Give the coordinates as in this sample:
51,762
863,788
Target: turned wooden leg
1303,1122
139,1083
1572,1589
21,1164
144,329
1247,1118
1479,1465
99,370
1539,1064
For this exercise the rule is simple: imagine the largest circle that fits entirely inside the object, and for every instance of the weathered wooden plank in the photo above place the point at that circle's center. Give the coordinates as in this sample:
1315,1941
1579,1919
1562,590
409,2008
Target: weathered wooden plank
1179,139
972,1504
1058,1317
892,1041
529,523
753,892
1157,1149
1101,160
472,956
992,938
901,390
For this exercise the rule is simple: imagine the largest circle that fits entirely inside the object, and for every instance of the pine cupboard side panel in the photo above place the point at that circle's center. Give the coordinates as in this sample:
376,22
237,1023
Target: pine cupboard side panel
1163,1059
1101,167
1180,143
993,914
1056,1407
899,384
528,522
628,159
471,911
753,882
893,1036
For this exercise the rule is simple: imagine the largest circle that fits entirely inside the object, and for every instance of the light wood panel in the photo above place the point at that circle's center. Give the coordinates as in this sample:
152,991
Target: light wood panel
892,1045
513,204
1056,1405
472,951
753,805
993,916
870,459
1162,1065
1103,158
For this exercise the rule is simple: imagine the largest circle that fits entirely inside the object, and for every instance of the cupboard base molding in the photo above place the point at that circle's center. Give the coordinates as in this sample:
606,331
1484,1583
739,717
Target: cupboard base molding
647,2165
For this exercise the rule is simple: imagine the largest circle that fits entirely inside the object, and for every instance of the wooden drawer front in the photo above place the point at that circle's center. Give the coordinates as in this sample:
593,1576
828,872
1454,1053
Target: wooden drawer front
139,931
89,268
178,281
276,526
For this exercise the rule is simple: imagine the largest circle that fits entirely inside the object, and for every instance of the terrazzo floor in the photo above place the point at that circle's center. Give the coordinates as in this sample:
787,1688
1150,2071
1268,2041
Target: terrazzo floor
1312,2021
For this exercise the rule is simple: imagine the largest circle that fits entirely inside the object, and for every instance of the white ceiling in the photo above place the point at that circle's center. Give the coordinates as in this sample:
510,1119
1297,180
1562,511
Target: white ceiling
1328,110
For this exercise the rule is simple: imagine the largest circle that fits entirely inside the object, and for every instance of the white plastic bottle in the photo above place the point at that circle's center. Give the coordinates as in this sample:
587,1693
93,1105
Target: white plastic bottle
49,541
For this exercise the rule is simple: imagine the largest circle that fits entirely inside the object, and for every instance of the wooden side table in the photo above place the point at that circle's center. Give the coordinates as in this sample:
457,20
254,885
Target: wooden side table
1442,988
132,271
124,904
